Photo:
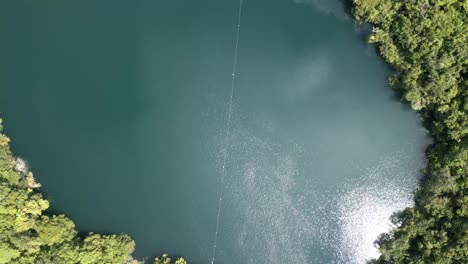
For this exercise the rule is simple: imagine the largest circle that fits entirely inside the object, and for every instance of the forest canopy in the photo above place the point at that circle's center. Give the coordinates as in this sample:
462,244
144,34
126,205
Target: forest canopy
426,43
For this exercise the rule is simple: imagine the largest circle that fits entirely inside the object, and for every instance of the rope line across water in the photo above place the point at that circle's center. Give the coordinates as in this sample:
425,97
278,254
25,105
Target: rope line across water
228,129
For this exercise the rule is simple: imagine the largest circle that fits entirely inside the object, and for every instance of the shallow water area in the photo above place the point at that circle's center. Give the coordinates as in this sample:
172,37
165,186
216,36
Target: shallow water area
121,109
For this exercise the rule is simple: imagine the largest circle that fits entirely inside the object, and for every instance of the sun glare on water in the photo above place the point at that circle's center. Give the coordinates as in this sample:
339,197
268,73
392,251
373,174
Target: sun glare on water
365,211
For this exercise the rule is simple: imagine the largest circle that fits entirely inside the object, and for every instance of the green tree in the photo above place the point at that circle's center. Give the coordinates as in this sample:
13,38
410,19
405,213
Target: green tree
164,259
55,229
106,249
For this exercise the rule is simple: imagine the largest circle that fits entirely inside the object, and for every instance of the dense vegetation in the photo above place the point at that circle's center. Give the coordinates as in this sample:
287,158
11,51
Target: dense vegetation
426,43
27,235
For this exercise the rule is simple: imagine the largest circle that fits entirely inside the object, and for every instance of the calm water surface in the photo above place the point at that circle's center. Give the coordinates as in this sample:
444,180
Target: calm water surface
121,109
